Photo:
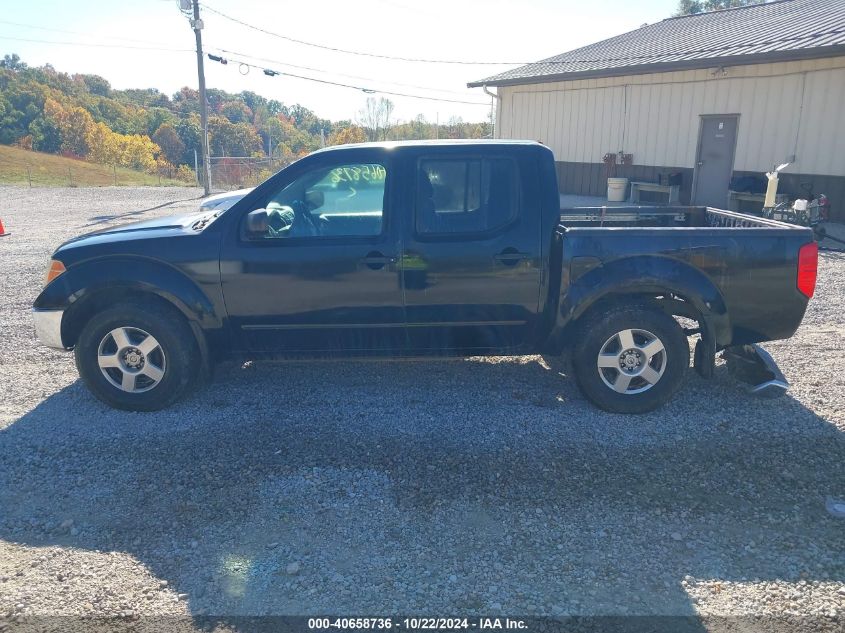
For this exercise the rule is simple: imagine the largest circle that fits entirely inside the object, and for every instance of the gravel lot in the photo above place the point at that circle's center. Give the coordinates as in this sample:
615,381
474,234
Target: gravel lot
441,488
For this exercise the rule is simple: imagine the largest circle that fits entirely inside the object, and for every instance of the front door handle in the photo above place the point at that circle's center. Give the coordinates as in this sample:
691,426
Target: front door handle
376,260
511,256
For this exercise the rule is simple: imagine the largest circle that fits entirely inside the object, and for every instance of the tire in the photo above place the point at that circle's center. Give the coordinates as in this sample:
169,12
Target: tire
648,363
150,347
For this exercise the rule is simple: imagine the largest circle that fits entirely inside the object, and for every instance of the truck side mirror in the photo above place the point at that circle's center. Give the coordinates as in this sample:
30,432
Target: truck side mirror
256,223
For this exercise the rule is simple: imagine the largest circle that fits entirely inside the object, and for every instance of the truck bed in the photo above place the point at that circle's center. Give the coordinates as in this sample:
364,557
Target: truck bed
751,262
665,217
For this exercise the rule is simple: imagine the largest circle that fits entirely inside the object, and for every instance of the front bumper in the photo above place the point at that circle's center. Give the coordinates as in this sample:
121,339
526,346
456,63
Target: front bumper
48,327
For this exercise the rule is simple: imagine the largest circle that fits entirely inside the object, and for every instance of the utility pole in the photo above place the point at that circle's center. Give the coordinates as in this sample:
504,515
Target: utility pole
197,25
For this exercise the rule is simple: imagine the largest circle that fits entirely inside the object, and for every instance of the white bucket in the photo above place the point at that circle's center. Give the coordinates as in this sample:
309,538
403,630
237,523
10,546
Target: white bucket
616,189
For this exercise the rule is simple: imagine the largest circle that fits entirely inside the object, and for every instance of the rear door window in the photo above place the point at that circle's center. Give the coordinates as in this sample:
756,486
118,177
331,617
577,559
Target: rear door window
465,196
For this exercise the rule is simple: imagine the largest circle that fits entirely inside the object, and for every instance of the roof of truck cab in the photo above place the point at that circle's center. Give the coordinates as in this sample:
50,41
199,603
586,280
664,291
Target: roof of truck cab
431,143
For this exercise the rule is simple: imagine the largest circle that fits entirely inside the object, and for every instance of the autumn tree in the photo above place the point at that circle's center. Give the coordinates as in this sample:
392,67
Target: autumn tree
287,135
232,139
135,151
236,112
138,152
170,143
187,101
103,145
83,115
346,135
75,124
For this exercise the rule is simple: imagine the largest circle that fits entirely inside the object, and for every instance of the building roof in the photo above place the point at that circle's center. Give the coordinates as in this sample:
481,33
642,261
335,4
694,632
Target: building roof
774,31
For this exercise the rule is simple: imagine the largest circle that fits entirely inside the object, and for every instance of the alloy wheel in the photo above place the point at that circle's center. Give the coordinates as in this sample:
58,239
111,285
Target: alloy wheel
632,361
131,359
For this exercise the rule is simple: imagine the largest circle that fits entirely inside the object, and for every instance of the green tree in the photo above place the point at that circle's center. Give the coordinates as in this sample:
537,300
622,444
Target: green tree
96,85
12,62
236,112
253,101
691,7
156,117
46,135
190,133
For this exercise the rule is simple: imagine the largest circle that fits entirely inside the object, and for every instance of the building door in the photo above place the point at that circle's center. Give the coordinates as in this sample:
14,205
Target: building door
715,161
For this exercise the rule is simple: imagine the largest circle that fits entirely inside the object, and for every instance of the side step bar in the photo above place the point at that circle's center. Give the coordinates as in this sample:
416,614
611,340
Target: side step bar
753,365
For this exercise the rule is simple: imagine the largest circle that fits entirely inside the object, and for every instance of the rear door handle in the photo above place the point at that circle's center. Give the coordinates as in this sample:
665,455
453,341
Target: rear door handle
377,260
511,256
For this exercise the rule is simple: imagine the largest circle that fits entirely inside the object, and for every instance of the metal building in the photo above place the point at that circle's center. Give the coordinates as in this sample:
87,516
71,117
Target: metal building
708,98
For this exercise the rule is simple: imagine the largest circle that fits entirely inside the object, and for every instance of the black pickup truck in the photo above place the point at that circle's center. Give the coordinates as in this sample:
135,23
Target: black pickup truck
423,249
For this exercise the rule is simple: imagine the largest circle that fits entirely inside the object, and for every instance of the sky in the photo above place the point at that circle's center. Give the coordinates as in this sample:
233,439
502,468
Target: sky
465,30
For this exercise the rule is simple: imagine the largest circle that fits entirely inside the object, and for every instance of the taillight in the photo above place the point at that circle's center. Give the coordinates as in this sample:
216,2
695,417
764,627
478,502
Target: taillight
808,268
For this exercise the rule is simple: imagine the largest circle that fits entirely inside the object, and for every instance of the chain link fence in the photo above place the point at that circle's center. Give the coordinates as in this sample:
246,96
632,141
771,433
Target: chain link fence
238,172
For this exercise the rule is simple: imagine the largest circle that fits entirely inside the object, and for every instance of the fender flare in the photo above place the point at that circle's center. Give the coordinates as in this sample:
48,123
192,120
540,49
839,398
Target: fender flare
648,274
85,281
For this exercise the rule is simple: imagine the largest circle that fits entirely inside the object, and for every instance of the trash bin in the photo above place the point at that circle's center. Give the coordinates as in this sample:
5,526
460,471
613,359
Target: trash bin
616,189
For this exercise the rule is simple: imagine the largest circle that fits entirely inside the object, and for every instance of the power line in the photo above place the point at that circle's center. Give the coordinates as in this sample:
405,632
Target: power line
360,53
96,45
111,37
272,73
337,74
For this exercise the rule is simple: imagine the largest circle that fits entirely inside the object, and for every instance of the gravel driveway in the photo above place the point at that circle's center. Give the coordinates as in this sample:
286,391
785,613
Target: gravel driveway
485,486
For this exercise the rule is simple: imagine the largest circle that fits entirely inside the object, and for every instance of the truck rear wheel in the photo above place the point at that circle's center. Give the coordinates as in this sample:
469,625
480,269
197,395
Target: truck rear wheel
630,359
137,356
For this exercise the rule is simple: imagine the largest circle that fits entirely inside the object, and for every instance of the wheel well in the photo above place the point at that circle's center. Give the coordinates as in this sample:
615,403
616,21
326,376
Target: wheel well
78,316
672,304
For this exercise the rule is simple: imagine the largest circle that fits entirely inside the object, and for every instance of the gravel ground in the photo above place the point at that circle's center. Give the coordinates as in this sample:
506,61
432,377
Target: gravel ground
485,486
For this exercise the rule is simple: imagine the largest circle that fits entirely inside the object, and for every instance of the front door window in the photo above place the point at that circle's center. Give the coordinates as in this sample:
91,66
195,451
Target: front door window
342,201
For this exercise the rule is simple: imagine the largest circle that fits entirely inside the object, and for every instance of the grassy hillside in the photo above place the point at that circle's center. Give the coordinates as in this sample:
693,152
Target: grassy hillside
51,170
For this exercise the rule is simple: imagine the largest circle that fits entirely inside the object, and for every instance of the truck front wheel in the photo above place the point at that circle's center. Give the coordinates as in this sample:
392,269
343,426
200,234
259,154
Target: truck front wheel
137,356
630,359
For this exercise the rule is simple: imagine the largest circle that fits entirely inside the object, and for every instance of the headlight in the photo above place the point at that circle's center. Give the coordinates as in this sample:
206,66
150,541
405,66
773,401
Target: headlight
56,269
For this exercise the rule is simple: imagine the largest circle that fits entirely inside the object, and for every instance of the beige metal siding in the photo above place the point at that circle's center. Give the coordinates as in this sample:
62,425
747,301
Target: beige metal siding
786,109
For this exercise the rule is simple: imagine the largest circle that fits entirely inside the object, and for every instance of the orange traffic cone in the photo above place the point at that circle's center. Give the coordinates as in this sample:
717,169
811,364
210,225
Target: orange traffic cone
2,230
